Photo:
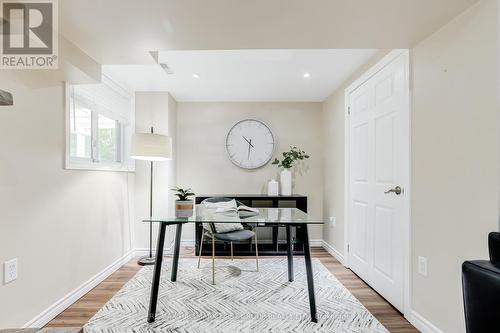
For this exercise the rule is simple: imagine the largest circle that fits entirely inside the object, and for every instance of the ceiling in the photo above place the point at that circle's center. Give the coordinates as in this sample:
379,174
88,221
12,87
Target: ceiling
244,75
124,31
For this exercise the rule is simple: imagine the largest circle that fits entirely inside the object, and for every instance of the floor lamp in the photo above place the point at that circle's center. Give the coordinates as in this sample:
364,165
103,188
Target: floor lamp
153,148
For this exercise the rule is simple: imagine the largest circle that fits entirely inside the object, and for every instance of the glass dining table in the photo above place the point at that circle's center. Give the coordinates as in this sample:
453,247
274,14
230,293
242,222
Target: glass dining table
282,217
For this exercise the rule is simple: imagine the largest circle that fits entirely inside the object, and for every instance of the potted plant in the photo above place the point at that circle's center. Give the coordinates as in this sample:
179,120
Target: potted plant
289,158
183,205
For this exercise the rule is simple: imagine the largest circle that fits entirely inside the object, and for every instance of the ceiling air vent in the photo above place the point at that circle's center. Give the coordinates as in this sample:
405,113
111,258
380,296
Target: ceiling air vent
167,69
6,98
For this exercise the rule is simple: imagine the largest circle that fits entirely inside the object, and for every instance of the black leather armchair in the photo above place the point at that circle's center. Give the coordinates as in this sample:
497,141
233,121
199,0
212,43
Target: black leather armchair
481,288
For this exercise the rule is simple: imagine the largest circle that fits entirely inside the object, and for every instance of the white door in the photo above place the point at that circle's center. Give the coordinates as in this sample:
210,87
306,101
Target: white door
378,155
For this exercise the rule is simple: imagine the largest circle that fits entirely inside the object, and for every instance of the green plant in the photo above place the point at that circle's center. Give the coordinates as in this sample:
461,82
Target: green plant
182,194
290,157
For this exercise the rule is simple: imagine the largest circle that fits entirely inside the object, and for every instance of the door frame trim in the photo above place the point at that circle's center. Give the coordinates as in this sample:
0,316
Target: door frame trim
407,277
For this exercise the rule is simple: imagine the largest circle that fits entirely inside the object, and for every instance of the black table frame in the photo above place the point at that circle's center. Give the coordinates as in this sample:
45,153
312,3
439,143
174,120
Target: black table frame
300,202
301,228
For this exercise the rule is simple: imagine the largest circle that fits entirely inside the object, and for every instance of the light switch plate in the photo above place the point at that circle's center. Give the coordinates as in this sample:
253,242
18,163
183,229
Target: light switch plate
422,266
10,271
333,222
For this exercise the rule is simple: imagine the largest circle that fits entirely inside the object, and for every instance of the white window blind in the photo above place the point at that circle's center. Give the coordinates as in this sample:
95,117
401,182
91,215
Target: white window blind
100,121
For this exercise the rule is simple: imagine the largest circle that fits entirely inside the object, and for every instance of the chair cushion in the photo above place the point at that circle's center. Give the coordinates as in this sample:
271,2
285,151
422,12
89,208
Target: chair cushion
238,235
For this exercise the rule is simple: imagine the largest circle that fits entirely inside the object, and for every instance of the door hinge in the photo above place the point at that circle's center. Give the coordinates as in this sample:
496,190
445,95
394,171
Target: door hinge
349,110
348,248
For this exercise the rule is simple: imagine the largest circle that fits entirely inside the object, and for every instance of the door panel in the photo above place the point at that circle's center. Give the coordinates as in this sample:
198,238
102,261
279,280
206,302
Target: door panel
378,162
360,214
360,142
382,257
384,150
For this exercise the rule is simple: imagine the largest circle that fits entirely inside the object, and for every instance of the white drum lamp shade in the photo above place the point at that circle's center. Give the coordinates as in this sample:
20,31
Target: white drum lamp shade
151,147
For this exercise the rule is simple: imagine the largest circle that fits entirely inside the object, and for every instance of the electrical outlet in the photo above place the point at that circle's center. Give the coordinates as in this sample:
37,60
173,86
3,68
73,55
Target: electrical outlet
10,271
422,265
333,221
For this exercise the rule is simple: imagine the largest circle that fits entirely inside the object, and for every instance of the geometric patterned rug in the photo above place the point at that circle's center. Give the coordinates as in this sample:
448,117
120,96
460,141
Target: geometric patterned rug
243,300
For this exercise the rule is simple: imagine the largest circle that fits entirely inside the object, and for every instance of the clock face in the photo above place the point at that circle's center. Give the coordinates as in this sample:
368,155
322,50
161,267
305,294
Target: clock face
250,144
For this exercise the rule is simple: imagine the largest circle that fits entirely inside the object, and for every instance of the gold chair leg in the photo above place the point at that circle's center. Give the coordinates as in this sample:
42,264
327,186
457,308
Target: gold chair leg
213,260
201,247
232,257
256,250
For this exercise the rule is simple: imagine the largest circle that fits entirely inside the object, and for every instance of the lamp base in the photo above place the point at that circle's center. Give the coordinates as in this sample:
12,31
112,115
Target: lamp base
146,261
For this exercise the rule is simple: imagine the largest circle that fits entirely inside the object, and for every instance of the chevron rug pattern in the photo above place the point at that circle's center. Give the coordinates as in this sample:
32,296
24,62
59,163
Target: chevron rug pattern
242,301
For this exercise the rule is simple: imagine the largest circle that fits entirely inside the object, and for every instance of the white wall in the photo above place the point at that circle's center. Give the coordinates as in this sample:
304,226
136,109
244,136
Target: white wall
455,158
157,109
455,146
64,226
203,163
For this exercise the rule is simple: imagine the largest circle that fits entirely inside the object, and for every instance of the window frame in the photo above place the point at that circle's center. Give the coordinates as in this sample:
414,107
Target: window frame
92,163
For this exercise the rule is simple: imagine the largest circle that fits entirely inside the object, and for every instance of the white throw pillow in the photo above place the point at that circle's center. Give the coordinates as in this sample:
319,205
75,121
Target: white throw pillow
223,227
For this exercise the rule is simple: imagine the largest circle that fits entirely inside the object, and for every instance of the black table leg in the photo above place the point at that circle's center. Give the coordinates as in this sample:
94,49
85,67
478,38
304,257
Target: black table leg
309,273
177,249
289,252
157,273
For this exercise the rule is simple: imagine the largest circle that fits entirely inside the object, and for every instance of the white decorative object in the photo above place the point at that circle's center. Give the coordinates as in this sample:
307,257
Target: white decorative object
286,182
273,188
250,144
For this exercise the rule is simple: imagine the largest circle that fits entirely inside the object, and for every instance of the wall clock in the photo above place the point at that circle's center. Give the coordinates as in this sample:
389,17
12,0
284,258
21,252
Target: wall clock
250,144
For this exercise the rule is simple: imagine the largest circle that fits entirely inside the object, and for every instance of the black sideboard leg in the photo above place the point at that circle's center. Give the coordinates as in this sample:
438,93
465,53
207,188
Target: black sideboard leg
289,252
177,250
309,273
157,273
275,238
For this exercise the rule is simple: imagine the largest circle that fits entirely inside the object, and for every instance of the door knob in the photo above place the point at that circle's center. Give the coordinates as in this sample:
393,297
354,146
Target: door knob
398,190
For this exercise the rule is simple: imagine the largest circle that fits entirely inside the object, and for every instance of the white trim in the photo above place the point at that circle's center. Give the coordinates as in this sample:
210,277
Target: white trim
190,243
390,57
333,251
312,242
62,304
144,251
316,243
93,166
72,163
422,324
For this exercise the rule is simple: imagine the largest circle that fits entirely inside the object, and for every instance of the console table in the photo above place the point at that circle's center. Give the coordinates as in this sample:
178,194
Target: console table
258,201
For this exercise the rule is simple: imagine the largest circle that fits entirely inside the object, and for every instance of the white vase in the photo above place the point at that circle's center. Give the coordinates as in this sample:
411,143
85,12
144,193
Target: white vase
286,182
272,188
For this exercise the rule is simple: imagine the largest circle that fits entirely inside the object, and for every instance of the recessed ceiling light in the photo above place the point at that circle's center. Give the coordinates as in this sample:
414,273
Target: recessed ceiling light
196,75
307,74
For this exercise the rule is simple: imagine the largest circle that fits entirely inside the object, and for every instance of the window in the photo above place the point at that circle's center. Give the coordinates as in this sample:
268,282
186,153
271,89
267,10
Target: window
99,125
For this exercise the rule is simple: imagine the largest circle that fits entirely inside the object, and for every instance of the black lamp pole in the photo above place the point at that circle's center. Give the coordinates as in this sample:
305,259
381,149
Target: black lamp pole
149,260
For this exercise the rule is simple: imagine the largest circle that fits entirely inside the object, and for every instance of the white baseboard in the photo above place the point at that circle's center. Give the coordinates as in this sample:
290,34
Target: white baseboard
52,311
333,251
316,243
422,324
144,251
312,242
188,242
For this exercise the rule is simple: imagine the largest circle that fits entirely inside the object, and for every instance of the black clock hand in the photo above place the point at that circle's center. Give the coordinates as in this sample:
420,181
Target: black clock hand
249,147
249,142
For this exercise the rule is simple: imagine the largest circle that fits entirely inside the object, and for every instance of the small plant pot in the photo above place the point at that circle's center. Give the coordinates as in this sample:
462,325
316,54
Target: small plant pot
184,208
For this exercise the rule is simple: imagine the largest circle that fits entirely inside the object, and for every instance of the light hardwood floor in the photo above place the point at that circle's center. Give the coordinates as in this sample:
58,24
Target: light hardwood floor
83,309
